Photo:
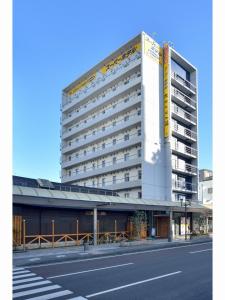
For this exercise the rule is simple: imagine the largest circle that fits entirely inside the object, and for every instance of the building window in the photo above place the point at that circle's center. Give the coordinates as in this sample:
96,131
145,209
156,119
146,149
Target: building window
126,82
77,171
93,166
114,123
139,174
103,181
126,195
103,128
93,183
77,154
103,146
126,118
114,141
93,132
93,149
77,139
114,179
139,112
126,156
69,157
85,168
85,152
69,173
114,105
85,136
93,117
210,190
126,177
126,137
139,93
139,132
103,112
114,160
126,100
103,163
139,153
139,195
84,183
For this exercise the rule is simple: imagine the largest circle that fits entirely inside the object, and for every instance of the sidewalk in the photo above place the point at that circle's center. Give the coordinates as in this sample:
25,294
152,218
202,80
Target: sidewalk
50,255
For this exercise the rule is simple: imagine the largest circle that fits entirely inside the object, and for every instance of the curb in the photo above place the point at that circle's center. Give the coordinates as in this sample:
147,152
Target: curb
120,250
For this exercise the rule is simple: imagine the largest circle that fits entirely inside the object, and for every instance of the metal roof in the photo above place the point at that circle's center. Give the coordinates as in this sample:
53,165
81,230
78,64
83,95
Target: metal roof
74,196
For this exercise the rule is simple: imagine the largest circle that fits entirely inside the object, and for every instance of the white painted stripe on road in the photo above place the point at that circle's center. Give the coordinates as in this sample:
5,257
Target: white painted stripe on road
35,291
92,270
20,272
27,280
18,269
52,296
200,251
111,256
132,284
78,298
23,286
24,275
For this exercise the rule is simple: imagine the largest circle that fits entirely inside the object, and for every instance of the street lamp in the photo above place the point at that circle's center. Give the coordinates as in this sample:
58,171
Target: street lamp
185,202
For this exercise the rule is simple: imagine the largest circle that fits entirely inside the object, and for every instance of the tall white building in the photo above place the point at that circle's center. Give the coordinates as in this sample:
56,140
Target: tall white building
130,124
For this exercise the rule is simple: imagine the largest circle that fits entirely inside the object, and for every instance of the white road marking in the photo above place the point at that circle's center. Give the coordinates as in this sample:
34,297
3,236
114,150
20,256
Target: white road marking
60,256
116,255
132,284
24,275
92,270
200,251
52,296
34,259
18,269
27,280
35,291
23,286
20,272
78,298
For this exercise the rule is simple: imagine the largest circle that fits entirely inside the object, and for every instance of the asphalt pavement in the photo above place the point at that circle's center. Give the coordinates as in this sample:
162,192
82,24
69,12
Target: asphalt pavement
182,272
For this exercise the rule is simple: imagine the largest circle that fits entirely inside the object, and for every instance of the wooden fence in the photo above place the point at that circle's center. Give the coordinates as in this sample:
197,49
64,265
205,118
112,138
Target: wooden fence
21,239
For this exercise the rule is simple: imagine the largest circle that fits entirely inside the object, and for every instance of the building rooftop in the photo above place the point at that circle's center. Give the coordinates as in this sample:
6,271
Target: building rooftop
51,185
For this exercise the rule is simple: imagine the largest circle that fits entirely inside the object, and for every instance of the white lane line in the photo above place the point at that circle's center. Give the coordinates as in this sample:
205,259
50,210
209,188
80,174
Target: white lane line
111,256
52,296
20,272
78,298
18,269
92,270
35,291
132,284
210,249
27,280
24,275
23,286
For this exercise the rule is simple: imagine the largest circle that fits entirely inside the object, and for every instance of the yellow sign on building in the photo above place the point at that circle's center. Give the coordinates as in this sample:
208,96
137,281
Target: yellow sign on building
118,60
82,84
153,50
166,90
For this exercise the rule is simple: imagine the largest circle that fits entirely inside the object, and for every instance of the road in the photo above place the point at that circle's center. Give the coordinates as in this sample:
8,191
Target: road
183,272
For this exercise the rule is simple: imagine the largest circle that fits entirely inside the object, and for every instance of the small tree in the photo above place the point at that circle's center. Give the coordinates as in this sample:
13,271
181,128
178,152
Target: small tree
139,218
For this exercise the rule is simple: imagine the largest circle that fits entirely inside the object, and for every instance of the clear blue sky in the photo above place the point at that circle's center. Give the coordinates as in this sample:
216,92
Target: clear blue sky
55,41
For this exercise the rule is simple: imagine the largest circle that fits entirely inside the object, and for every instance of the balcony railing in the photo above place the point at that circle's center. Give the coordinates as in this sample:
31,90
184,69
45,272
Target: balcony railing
183,99
120,121
184,167
103,100
183,114
183,149
184,186
185,83
184,132
99,151
103,168
100,82
119,182
90,121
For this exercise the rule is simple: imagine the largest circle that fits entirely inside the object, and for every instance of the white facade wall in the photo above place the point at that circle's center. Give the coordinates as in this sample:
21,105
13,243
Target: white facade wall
124,96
